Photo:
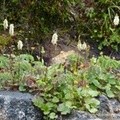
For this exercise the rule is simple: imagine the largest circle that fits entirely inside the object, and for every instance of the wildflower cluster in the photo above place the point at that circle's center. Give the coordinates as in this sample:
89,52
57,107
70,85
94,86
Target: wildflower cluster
11,32
11,27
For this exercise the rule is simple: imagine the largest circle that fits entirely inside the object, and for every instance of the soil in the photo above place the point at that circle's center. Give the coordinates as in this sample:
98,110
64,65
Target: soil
67,45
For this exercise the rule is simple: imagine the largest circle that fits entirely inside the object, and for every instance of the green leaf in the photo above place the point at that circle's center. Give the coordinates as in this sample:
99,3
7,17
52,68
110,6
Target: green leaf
48,88
92,101
50,104
93,110
118,87
68,104
93,93
63,109
92,104
22,89
55,100
97,83
46,109
6,76
110,93
38,101
69,96
112,81
53,115
25,57
4,62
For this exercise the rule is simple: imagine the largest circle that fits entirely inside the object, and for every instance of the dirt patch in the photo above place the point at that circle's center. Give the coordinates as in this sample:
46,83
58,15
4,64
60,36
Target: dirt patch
66,45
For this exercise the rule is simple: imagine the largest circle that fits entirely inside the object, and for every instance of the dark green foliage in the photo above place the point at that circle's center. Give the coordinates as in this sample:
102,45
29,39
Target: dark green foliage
36,20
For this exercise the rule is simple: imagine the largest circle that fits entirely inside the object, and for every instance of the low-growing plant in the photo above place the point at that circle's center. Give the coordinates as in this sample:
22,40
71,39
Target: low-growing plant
59,89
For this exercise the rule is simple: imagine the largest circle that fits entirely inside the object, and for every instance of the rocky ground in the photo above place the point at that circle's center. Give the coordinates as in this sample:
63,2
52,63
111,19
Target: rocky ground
15,105
67,44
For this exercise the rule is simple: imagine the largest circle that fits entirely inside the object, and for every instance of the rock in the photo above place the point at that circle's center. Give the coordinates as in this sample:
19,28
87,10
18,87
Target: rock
109,108
62,57
15,105
80,115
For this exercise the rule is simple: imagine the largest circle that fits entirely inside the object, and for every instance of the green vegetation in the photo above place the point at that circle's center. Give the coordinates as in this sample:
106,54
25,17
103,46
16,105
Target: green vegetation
58,89
36,20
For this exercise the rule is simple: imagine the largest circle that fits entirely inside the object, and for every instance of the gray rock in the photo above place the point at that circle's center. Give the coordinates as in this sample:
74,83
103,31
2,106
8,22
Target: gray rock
109,108
15,105
80,115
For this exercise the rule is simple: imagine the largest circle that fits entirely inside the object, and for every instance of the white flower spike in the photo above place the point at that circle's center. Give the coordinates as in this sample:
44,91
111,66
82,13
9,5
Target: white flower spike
116,20
54,39
20,45
5,24
84,46
81,46
11,29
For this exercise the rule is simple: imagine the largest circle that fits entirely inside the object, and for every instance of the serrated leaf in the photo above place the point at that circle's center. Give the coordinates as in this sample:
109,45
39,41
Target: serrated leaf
96,83
69,96
55,100
53,115
68,104
63,109
93,93
112,81
118,87
46,109
110,93
93,110
22,89
50,104
38,101
92,101
48,88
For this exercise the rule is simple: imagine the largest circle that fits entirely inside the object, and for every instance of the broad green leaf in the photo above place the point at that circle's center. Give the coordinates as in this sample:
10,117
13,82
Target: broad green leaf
92,104
53,115
38,101
84,92
92,101
63,109
46,109
68,104
55,100
108,87
117,86
96,83
69,96
21,88
93,110
50,104
110,93
112,81
93,93
48,88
